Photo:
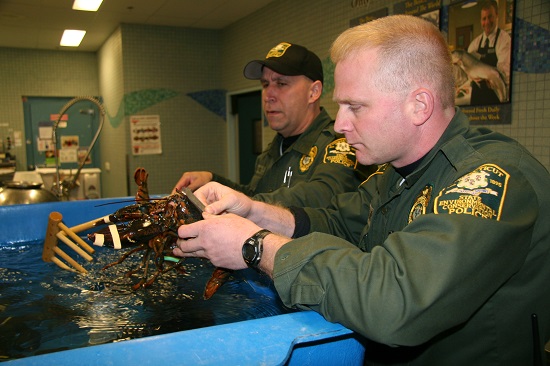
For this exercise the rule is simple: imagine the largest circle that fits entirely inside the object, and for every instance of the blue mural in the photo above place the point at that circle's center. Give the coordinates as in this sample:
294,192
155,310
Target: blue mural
137,101
531,48
213,100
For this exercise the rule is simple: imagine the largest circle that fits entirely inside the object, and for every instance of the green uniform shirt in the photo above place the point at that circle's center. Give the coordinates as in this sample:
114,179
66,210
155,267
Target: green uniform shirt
319,157
444,267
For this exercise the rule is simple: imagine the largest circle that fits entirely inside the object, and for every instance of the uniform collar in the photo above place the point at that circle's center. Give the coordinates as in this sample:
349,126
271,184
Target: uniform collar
451,144
308,138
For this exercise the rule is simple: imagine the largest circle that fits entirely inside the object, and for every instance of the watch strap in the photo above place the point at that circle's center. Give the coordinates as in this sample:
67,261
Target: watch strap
255,241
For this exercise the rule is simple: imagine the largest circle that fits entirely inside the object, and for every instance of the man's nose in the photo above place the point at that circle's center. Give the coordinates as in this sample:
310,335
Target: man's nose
268,94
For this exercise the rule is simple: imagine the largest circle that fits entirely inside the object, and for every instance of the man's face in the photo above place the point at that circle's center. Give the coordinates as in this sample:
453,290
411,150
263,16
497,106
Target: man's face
489,20
285,101
373,121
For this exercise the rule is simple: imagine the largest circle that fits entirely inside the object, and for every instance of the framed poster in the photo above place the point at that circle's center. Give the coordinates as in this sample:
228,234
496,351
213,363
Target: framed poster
480,39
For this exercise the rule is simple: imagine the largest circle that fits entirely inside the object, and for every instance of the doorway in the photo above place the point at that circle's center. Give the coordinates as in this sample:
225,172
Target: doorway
248,107
464,36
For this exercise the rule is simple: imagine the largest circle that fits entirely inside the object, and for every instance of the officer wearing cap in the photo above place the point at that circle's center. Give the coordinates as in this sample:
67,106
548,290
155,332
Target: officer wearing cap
307,163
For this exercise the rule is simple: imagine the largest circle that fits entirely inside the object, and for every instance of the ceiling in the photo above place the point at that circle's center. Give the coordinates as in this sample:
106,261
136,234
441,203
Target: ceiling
39,24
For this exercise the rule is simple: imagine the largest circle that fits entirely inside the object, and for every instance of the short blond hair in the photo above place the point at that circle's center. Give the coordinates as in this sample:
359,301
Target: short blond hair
412,52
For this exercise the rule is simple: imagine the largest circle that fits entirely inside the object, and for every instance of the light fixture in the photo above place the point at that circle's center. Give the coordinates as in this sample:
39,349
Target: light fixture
469,4
72,37
87,5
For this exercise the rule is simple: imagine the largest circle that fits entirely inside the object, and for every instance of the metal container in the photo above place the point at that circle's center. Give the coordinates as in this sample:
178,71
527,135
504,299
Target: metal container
16,193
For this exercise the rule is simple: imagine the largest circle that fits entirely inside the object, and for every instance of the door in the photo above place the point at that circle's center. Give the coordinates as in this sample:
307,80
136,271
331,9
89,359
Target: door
75,132
464,36
249,108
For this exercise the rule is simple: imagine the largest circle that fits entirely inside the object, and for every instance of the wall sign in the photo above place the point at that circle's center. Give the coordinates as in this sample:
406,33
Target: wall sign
145,135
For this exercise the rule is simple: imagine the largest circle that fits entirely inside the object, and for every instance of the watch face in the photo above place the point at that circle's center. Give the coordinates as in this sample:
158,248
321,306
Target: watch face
249,252
253,247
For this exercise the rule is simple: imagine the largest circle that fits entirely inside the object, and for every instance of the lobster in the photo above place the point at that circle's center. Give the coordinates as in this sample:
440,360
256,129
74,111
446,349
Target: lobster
151,226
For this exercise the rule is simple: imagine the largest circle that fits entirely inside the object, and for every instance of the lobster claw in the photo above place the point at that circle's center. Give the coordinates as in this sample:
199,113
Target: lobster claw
219,277
140,177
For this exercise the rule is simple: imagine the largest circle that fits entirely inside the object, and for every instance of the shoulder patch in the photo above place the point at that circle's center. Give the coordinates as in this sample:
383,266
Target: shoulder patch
307,160
339,152
421,203
480,193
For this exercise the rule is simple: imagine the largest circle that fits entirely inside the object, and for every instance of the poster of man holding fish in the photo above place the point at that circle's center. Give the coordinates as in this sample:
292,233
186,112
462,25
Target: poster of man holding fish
480,39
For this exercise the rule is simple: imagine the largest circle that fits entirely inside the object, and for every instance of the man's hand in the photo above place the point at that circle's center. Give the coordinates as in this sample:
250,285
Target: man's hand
193,180
217,238
221,199
220,239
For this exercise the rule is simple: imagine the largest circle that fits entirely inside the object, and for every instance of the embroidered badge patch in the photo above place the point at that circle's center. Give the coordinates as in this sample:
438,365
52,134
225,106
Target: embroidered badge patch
339,152
421,203
307,160
278,50
480,193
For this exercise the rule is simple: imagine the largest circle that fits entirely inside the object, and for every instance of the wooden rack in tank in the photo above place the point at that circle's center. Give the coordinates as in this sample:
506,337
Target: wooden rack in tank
58,231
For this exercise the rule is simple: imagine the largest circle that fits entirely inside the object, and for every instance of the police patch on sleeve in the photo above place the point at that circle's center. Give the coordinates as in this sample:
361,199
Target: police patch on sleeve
307,160
421,203
480,193
339,152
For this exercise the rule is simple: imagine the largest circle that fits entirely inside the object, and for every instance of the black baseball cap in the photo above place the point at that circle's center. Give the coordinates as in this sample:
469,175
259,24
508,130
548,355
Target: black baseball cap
287,59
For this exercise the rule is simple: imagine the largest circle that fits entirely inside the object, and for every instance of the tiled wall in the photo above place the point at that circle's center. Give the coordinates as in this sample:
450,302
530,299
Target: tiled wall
156,69
173,72
173,63
39,73
531,85
316,23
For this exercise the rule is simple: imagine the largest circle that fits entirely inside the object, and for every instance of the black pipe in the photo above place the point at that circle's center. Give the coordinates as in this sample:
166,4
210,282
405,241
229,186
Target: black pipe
537,359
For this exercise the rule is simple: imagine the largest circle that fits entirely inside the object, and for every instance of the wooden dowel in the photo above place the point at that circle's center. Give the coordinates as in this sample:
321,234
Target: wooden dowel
74,247
76,238
63,265
71,261
87,225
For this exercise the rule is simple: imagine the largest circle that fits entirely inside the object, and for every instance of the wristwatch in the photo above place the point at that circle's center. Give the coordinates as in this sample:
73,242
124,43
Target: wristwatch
253,248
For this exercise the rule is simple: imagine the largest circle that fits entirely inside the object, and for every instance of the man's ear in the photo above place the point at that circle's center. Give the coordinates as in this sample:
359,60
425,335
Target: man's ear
423,105
316,90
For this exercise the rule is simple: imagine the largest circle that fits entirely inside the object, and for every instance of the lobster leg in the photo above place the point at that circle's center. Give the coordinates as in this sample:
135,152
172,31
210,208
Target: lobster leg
145,265
126,255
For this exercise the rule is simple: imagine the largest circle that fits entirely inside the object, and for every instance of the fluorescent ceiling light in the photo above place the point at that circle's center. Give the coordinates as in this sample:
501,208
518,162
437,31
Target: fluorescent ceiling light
72,37
87,5
469,4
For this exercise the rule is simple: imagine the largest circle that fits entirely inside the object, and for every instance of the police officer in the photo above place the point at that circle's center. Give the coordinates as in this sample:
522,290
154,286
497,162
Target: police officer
442,256
492,47
307,163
